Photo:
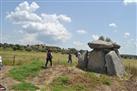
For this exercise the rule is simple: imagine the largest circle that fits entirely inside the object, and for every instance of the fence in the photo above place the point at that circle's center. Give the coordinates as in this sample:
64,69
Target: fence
10,59
19,59
129,56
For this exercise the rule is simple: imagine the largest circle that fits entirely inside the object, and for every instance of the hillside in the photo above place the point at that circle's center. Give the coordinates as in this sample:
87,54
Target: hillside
27,73
65,78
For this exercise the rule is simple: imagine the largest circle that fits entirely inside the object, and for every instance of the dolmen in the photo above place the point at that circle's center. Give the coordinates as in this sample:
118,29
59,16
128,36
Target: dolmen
104,58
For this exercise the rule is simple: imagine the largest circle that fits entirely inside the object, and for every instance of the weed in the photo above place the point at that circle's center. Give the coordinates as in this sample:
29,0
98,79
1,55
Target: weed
25,70
23,86
130,66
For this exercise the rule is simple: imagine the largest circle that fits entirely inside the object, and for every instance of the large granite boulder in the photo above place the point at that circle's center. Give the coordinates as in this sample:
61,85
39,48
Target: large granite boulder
117,52
114,64
83,60
96,61
100,44
104,58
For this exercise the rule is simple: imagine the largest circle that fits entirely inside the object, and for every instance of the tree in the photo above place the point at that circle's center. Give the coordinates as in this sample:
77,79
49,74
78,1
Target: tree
5,45
1,44
28,49
18,46
72,50
14,47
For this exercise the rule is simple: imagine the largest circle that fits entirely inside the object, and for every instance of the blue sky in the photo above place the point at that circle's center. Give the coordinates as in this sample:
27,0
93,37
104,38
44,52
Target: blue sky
69,23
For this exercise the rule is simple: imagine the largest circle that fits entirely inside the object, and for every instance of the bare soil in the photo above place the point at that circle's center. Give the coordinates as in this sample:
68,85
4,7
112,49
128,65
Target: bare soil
5,80
46,76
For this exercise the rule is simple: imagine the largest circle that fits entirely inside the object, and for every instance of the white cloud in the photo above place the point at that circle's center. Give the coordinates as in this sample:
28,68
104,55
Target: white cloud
80,45
77,43
95,37
115,30
136,46
81,31
129,1
113,25
126,34
24,13
64,18
136,43
30,39
50,25
128,46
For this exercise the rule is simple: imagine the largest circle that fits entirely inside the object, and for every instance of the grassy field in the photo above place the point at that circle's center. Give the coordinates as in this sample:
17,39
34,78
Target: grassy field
130,66
29,64
58,58
26,57
23,86
81,82
21,72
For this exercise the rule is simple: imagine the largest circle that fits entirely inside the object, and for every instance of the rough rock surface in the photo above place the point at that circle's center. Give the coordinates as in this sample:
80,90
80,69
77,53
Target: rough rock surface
114,64
104,58
96,61
100,44
83,60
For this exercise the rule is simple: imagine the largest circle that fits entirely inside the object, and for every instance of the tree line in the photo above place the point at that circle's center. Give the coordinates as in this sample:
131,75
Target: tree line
37,48
42,47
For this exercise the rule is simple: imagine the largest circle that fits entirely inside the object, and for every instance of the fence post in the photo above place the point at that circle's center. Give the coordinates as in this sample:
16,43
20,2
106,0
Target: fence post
14,60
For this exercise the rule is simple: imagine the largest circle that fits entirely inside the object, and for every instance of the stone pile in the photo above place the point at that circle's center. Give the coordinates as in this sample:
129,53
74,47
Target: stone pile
104,58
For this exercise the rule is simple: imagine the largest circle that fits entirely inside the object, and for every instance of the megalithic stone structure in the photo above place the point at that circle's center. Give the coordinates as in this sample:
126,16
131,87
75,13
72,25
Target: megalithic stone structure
104,58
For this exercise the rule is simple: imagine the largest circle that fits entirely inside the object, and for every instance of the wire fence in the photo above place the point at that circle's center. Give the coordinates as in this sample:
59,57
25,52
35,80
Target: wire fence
9,59
19,59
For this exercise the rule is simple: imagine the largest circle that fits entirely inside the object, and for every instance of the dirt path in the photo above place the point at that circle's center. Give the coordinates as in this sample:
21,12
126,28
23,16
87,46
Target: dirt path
131,84
4,71
42,80
6,81
46,76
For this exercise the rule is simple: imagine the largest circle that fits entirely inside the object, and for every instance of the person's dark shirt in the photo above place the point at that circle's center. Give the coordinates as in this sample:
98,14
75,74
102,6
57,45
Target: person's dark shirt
70,57
49,55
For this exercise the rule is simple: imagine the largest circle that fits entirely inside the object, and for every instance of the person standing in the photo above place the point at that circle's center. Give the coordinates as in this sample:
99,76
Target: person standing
1,62
70,58
49,58
78,55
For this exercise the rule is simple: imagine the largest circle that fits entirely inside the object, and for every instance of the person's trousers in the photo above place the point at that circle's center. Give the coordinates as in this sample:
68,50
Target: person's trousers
70,61
0,65
48,60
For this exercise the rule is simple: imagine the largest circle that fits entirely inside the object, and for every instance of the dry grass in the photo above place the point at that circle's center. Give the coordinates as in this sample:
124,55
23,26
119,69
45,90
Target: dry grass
22,57
77,81
130,66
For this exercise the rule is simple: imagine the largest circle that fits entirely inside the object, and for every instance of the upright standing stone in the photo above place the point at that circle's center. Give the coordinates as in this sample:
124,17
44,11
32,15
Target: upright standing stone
117,52
100,44
96,61
104,58
114,64
83,60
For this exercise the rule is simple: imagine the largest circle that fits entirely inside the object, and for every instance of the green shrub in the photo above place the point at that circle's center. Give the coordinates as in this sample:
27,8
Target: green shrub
63,80
105,80
101,79
24,87
25,70
80,87
63,83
